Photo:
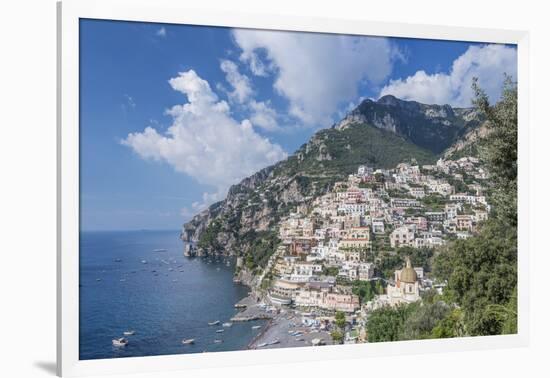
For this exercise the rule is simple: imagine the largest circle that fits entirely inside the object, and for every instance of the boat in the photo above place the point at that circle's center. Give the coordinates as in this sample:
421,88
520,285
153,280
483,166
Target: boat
118,260
144,261
160,250
214,323
256,327
261,345
129,333
188,341
273,342
121,342
220,330
227,324
218,341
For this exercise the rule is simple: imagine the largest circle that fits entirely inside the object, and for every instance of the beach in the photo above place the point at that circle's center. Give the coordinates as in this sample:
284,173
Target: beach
285,329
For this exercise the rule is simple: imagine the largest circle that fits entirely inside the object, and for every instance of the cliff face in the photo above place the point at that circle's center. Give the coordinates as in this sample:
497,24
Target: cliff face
381,134
433,127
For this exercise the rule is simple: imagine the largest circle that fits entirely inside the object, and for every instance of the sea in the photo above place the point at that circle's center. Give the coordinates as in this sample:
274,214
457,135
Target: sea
140,281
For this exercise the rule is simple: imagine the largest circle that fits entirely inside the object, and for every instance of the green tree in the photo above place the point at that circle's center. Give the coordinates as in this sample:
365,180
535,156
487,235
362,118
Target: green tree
450,326
501,153
337,336
481,272
340,320
386,323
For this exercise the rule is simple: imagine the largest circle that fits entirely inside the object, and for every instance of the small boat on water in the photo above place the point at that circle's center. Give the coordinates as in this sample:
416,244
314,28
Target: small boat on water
188,341
214,323
273,342
144,261
227,325
160,250
256,327
218,341
261,345
129,333
121,342
98,279
220,330
118,260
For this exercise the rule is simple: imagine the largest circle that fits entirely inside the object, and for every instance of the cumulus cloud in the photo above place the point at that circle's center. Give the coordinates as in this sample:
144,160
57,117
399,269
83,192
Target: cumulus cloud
263,115
489,63
316,72
204,141
242,88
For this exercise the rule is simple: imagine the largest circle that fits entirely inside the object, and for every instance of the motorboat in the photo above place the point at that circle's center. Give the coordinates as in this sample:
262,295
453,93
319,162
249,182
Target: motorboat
160,250
214,323
121,342
227,325
218,341
256,327
129,333
188,341
220,330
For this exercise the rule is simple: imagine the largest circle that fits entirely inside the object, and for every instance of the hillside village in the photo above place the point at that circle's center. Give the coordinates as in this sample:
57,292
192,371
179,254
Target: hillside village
353,249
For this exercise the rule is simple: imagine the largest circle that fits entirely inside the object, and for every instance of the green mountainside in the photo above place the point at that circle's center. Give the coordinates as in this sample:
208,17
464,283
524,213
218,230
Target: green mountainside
244,224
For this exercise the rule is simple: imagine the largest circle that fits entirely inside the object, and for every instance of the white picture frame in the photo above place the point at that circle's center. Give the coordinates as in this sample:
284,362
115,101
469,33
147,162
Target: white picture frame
172,11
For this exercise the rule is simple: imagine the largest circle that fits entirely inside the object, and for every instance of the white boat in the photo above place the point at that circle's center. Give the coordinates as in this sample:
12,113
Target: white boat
218,341
121,342
129,333
144,261
261,345
214,323
273,342
256,327
187,341
228,324
160,250
220,330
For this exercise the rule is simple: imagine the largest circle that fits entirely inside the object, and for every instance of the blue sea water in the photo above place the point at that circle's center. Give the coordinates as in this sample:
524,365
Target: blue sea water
165,300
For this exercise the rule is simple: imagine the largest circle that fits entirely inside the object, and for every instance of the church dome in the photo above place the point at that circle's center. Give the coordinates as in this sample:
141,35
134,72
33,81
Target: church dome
408,274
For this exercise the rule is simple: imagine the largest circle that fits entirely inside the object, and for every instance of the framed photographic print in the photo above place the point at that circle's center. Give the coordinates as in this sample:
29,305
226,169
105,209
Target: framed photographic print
286,188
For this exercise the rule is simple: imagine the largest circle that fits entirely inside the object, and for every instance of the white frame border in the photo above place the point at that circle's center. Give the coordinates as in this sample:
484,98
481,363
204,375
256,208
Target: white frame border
170,11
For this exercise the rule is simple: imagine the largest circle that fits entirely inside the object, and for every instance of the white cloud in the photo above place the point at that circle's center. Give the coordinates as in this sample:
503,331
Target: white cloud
488,63
204,141
263,115
161,32
317,73
242,89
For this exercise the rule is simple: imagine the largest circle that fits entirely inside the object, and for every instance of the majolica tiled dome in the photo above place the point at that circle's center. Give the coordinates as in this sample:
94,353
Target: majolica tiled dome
408,274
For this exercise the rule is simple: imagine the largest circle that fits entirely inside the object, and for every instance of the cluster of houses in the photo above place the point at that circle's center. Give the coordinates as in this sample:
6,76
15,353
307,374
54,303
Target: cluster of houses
326,245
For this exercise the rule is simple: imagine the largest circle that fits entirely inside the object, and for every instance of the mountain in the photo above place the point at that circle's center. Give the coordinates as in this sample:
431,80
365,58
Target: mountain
433,127
379,133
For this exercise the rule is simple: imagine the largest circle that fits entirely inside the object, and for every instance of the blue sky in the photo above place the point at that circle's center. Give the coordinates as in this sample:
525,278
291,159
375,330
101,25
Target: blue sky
172,115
